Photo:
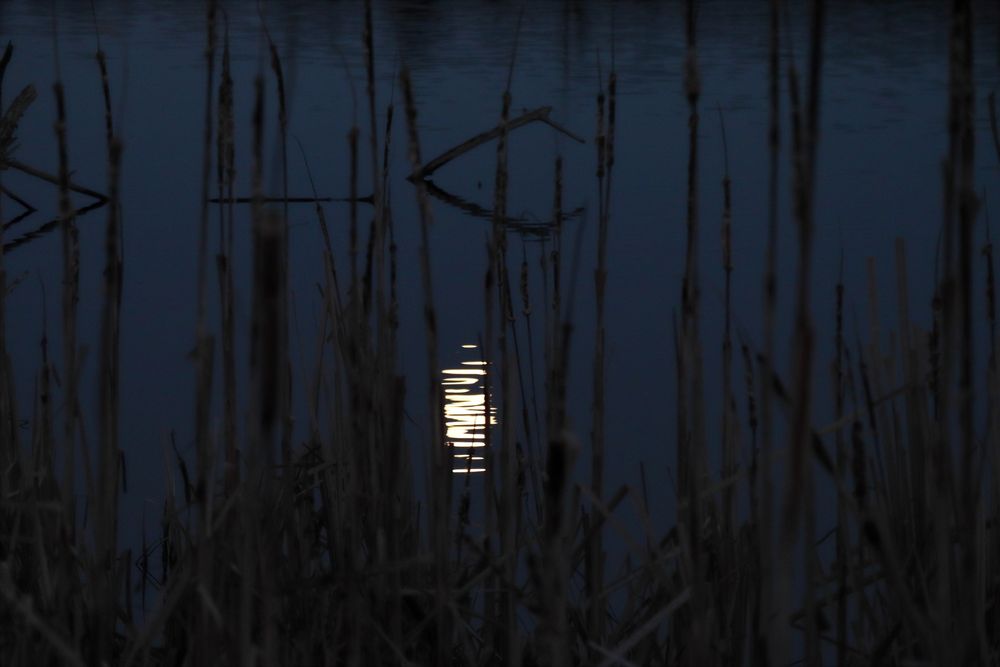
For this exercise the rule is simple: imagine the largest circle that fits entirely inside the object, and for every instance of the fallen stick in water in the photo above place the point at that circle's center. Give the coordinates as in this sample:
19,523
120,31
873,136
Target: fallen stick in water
14,197
540,115
517,223
290,200
52,178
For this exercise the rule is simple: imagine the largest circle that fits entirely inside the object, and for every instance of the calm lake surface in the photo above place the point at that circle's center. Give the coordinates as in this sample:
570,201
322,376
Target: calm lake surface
883,139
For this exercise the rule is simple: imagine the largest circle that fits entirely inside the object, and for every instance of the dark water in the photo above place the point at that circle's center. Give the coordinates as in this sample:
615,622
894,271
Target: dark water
883,138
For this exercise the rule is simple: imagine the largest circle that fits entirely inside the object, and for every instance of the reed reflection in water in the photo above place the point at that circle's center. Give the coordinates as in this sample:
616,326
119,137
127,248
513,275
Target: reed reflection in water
465,418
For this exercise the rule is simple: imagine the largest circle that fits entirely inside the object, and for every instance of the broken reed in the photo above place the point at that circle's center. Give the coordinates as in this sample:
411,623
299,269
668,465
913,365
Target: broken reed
330,558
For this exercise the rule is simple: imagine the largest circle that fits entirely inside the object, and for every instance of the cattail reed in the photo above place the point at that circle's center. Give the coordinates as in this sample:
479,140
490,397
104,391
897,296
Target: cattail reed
106,569
553,635
70,301
285,372
960,211
604,142
729,400
226,177
766,646
8,451
352,140
691,446
377,239
800,492
843,537
440,457
203,341
507,510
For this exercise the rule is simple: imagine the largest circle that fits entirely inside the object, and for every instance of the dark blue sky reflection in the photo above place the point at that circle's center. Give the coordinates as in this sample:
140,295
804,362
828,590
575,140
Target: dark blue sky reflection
883,140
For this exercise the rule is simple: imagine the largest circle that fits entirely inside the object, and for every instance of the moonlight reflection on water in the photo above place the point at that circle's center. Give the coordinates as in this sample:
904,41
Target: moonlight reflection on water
465,414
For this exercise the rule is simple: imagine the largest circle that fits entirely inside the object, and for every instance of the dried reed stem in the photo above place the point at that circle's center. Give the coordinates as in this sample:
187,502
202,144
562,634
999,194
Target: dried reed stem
440,455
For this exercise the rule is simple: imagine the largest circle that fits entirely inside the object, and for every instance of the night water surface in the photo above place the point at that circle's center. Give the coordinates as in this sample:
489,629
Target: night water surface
883,138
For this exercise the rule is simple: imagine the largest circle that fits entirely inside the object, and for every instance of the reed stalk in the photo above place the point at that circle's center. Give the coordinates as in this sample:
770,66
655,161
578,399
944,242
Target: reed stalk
595,548
440,456
225,183
8,450
691,448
